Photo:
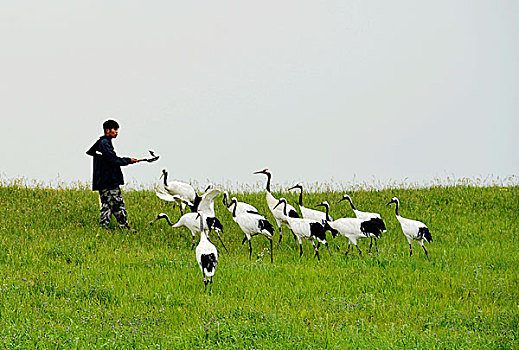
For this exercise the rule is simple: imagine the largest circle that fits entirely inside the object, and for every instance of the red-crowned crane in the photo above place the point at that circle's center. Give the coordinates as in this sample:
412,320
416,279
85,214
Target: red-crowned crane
189,220
252,224
413,229
240,207
353,228
377,219
279,214
308,213
178,200
206,252
305,229
183,190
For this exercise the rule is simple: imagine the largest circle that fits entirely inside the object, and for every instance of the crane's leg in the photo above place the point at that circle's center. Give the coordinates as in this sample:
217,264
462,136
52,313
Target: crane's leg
327,246
316,251
300,249
194,241
244,240
348,250
271,253
376,245
205,282
410,250
280,236
220,238
370,243
250,250
359,250
426,254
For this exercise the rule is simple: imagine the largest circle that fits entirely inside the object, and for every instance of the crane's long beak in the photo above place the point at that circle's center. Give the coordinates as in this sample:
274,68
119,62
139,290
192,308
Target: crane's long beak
258,172
220,238
277,205
291,188
340,200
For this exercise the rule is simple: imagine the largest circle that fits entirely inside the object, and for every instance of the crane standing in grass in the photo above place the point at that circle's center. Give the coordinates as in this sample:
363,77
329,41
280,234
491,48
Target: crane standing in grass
189,220
313,214
306,229
206,253
363,215
252,224
176,199
413,229
308,213
182,190
353,228
239,207
279,215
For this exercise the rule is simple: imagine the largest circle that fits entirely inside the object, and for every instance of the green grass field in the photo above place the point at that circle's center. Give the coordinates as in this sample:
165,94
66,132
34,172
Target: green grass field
67,283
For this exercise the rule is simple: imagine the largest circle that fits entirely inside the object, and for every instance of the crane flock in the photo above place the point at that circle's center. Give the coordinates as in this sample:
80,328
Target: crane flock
312,225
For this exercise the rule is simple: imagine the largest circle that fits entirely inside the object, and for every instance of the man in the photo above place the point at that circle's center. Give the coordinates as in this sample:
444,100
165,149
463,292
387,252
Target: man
107,176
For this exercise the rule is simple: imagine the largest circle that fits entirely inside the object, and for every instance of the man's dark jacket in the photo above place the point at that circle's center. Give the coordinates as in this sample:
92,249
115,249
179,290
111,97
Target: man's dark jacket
107,172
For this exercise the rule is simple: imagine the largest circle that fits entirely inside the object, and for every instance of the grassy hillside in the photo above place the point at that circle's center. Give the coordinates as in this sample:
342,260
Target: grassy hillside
65,282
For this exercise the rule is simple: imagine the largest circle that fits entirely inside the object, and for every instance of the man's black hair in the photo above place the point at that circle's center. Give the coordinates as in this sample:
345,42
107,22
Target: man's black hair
110,124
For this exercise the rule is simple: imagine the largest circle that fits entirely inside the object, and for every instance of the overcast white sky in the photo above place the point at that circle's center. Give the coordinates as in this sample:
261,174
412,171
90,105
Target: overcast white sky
318,91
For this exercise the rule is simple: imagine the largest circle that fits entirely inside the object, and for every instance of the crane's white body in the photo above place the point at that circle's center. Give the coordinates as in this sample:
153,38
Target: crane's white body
309,229
349,228
252,224
178,188
413,230
308,213
181,193
206,252
353,228
363,215
277,212
312,214
241,207
177,199
188,220
181,189
249,224
205,247
301,227
207,201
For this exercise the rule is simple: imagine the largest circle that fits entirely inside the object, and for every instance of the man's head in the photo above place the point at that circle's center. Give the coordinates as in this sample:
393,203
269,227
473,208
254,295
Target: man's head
111,128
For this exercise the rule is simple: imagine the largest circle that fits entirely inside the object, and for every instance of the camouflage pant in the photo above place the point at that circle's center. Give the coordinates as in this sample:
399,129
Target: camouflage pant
112,203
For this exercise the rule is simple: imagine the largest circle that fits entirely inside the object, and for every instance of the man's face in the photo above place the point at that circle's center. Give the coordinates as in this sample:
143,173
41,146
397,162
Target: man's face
112,133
